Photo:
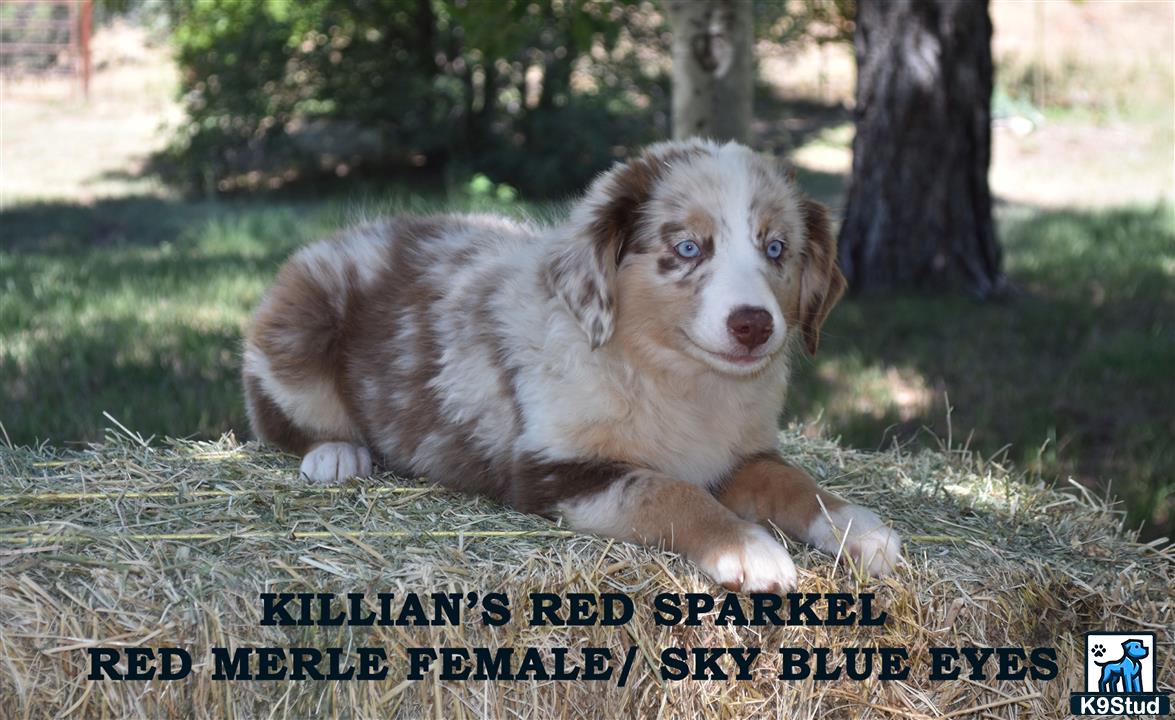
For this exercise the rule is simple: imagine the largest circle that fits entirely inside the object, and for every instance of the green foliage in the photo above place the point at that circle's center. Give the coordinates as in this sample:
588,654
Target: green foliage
486,194
275,91
823,21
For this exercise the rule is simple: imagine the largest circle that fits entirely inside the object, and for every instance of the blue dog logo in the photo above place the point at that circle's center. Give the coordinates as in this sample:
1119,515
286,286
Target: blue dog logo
1126,671
1122,687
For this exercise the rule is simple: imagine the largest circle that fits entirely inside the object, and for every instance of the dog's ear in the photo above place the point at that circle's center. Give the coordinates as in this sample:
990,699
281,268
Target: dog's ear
582,270
821,281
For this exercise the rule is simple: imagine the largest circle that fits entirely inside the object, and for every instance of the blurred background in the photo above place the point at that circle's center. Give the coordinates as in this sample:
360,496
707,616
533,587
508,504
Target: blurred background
160,158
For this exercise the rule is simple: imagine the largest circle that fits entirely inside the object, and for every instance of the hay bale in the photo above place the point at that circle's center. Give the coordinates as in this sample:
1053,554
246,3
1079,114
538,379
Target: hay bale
169,544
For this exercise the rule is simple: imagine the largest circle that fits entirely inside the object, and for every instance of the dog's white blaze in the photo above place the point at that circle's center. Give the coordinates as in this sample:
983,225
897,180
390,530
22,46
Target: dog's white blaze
738,268
737,280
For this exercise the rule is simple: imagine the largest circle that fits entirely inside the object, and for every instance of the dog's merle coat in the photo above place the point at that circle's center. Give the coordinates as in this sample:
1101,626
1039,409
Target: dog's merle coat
624,369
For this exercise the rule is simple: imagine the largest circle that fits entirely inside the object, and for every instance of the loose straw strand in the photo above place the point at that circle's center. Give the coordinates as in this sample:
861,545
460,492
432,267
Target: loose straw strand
156,494
49,538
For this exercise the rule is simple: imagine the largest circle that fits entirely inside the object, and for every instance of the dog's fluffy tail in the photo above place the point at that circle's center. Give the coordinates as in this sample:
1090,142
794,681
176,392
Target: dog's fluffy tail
293,350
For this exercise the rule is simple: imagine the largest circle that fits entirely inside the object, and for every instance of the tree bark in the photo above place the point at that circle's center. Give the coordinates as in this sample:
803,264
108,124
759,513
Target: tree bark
713,68
919,206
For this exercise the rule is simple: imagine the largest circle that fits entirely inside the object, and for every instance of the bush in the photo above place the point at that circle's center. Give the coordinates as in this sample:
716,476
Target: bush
529,93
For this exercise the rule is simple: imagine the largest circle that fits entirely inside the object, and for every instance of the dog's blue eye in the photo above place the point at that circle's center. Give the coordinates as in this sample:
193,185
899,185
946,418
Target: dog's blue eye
774,249
687,249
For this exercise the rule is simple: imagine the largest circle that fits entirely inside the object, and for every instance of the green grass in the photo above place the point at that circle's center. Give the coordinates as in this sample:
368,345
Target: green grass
145,325
135,307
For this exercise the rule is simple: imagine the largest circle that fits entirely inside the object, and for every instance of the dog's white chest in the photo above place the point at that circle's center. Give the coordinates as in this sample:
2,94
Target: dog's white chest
690,432
700,440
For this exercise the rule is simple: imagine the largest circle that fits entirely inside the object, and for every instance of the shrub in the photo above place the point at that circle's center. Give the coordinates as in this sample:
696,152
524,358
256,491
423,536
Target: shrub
528,93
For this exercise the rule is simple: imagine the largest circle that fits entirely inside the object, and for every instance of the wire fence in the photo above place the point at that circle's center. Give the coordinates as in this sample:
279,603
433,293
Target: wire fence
46,37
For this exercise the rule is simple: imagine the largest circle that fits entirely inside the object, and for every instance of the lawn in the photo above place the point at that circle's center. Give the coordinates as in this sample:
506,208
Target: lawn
135,307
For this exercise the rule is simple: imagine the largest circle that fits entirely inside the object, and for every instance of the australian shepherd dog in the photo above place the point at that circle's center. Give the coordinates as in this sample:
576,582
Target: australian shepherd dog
624,369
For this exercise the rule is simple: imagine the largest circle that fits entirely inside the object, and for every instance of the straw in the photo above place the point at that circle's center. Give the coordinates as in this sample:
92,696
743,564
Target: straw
168,543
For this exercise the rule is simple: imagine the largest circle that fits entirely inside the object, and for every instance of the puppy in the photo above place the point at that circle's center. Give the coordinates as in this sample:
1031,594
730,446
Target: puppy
624,370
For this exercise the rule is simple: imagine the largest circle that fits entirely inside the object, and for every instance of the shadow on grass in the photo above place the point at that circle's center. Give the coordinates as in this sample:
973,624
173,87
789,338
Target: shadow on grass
60,228
800,120
176,380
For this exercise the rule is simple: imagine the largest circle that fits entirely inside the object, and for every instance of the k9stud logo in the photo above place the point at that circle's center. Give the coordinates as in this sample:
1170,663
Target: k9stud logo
1119,676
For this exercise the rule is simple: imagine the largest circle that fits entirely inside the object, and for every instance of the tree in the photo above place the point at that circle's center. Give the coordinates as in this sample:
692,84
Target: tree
713,68
277,91
919,206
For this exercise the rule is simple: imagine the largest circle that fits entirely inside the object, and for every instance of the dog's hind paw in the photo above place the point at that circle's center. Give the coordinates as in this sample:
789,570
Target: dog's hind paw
334,462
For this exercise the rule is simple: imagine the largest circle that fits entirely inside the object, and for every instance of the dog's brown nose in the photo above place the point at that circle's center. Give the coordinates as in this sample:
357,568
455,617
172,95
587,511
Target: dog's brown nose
750,326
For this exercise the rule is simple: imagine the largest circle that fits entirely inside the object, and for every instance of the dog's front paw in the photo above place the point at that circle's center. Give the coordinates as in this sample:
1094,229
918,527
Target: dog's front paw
870,544
334,462
751,561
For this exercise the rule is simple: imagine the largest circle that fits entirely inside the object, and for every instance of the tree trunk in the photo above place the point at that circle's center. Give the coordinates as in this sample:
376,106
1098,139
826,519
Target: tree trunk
919,207
713,68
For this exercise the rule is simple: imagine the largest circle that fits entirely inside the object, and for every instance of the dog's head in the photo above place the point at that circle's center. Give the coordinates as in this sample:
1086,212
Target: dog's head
1134,649
701,250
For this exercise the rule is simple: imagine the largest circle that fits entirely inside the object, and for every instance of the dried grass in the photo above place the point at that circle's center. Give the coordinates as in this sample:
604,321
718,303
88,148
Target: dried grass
169,544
